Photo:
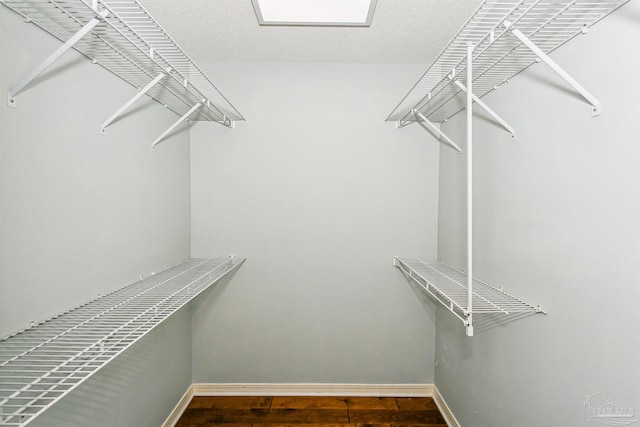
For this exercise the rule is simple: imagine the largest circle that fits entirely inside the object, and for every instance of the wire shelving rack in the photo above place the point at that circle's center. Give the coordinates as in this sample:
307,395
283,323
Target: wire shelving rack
42,364
501,39
449,286
121,36
499,54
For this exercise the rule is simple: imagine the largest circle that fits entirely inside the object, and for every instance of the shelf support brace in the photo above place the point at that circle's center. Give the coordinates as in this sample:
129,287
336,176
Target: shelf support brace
486,108
131,101
555,67
173,126
430,126
11,101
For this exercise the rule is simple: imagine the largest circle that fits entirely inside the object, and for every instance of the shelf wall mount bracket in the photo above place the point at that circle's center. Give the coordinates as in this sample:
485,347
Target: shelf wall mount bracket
184,117
13,92
596,108
489,111
427,124
129,103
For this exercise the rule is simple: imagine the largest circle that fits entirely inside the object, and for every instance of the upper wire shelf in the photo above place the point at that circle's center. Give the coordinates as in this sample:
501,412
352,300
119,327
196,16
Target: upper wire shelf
497,55
133,46
449,287
42,364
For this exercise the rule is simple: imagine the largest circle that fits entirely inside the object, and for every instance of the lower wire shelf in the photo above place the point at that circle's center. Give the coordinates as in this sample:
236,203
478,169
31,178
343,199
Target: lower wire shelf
42,364
449,286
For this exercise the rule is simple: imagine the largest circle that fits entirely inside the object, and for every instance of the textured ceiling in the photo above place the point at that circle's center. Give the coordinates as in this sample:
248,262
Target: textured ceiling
402,31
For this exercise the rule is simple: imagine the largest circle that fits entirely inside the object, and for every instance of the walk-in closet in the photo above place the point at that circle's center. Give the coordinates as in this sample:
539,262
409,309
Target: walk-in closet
319,212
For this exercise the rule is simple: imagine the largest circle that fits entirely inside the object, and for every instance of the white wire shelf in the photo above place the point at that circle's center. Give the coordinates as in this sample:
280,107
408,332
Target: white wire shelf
449,286
498,55
42,364
128,42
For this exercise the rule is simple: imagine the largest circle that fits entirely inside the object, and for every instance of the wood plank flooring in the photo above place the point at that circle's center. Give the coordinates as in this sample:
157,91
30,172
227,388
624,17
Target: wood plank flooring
311,411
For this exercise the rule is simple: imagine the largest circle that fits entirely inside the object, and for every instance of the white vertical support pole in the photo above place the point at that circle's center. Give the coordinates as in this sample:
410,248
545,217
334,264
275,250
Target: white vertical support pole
595,111
469,325
173,126
13,92
131,101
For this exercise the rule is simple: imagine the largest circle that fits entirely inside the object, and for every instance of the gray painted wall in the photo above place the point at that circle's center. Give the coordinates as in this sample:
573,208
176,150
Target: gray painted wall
557,223
82,213
319,194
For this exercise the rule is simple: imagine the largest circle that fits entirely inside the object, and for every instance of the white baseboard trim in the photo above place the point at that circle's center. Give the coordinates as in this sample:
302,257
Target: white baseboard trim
182,405
448,416
314,389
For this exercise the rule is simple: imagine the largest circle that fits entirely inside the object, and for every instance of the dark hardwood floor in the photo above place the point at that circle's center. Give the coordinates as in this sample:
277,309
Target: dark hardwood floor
311,411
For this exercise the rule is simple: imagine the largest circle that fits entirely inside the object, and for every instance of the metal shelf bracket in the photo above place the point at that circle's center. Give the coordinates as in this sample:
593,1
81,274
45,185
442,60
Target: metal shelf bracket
596,108
486,108
11,102
425,123
173,126
129,103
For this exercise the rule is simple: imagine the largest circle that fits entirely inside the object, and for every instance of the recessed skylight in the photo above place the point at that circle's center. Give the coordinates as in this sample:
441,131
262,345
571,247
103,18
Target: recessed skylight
347,13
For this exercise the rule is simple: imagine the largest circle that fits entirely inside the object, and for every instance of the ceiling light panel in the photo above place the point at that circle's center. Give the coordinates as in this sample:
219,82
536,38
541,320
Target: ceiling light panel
348,13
